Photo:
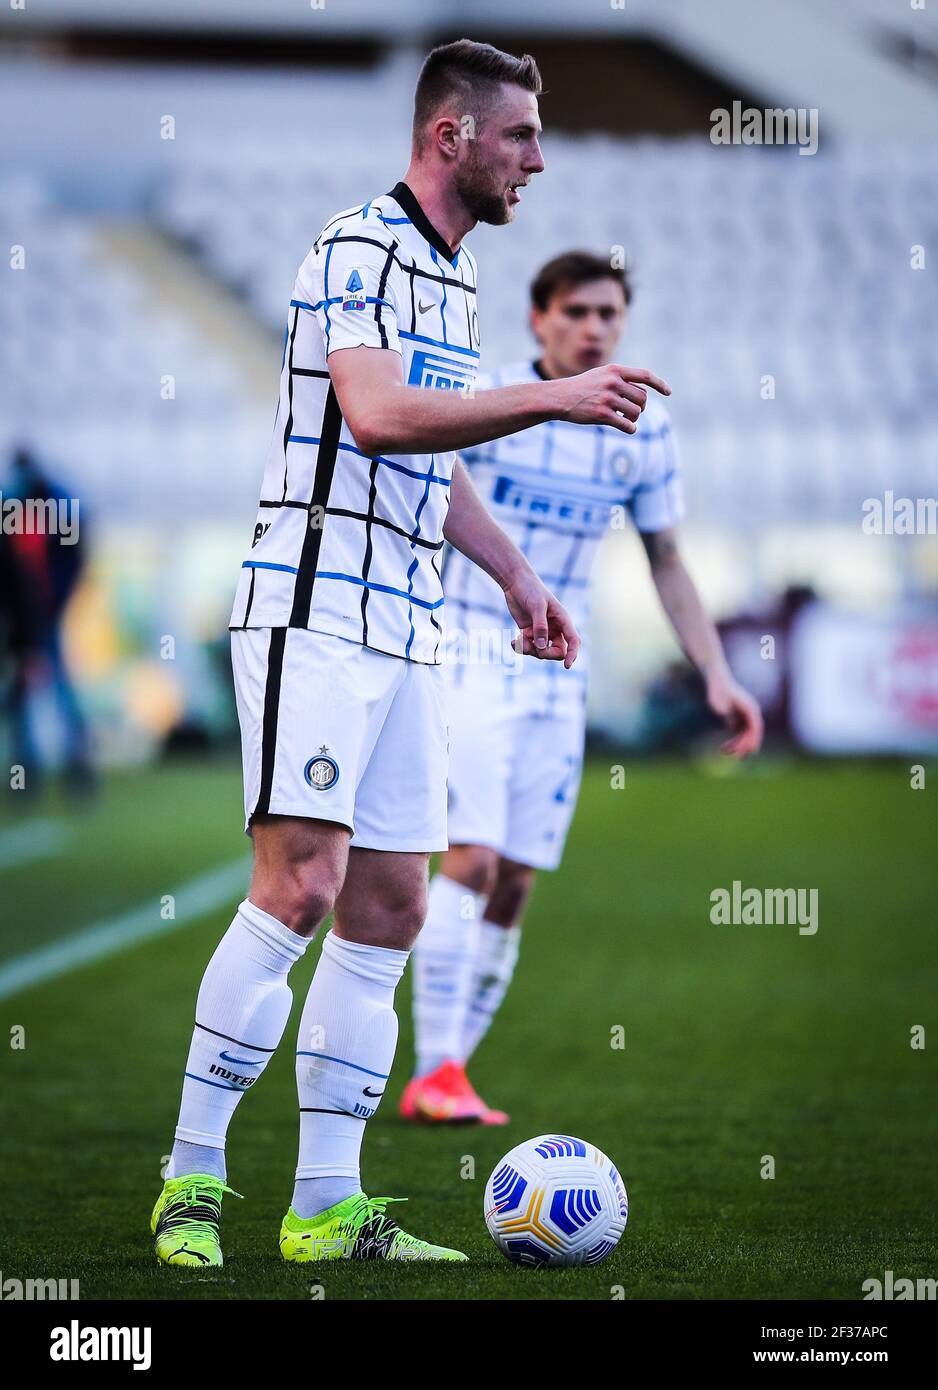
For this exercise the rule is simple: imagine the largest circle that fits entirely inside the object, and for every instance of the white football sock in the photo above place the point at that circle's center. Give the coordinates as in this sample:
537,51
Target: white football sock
195,1158
242,1009
494,965
442,972
346,1044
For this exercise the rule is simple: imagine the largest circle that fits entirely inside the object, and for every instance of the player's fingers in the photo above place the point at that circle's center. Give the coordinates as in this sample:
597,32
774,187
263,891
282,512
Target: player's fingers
618,422
637,394
571,638
523,644
752,728
535,631
554,651
624,409
540,633
743,743
624,406
757,732
645,378
733,746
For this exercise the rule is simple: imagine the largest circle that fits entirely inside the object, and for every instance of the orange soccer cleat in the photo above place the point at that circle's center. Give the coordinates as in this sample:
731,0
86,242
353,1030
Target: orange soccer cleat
446,1096
407,1109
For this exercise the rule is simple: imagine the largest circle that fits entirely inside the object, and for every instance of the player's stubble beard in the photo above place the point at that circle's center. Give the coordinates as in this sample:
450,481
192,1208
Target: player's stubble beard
483,195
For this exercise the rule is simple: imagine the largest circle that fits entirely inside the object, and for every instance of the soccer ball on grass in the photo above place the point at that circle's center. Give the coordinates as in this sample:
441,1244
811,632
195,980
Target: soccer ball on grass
556,1201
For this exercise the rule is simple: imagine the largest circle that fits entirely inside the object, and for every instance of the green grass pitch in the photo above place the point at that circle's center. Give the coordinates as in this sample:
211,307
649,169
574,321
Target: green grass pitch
739,1042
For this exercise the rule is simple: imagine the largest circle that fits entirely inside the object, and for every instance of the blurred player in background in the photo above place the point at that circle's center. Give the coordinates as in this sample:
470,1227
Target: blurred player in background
41,563
517,736
336,651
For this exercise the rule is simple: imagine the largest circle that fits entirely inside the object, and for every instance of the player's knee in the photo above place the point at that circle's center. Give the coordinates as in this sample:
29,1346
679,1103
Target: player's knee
510,894
475,866
394,919
307,894
406,918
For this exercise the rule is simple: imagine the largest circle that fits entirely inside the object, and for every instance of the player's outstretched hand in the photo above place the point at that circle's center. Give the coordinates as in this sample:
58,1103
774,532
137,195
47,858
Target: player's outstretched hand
545,628
610,395
741,715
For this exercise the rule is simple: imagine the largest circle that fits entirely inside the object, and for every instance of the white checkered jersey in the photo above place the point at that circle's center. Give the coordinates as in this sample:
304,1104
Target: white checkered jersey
345,543
557,489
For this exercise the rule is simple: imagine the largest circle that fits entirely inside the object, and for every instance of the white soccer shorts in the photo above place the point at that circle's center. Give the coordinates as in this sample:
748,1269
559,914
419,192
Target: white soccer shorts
515,760
335,731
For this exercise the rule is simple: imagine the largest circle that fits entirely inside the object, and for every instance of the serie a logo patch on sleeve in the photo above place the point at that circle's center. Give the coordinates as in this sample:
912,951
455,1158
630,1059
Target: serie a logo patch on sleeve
354,296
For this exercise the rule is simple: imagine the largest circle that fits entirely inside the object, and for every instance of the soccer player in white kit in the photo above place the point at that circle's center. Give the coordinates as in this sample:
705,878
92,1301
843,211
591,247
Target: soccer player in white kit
336,649
517,735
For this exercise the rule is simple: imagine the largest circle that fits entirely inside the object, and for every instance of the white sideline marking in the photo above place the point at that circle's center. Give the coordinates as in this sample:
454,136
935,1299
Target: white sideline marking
115,934
34,839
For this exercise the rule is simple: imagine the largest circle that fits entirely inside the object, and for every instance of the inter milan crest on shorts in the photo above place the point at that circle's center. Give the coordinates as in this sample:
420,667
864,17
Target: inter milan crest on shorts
322,771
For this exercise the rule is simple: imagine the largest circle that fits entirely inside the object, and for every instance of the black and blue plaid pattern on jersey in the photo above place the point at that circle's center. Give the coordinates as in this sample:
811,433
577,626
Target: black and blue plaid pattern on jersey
413,565
376,272
376,458
436,261
438,371
430,478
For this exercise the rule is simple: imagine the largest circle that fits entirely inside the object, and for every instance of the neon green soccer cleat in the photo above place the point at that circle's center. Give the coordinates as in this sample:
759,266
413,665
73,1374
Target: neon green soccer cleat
356,1229
185,1220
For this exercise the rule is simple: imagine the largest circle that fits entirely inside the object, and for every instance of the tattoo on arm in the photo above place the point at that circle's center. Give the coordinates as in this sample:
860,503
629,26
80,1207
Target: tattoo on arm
660,547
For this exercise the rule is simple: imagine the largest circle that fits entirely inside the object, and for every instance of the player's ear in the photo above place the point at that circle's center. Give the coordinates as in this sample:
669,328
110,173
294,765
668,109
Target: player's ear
447,136
535,317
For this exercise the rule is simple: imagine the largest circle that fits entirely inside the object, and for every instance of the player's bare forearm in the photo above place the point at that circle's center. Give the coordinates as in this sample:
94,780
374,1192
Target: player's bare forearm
471,528
387,417
681,602
544,627
418,421
701,642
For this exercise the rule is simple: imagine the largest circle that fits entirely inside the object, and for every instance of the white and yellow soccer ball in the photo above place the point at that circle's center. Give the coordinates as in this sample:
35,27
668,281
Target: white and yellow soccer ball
556,1200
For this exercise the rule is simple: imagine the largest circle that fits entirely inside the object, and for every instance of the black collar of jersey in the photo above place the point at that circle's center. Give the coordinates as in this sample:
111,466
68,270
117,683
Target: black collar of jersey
538,367
403,196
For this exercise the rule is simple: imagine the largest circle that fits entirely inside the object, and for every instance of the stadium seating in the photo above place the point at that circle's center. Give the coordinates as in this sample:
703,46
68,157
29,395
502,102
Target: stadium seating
86,347
774,291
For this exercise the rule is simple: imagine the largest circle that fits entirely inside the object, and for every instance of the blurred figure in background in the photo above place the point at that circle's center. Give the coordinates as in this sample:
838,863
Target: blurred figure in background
516,742
42,556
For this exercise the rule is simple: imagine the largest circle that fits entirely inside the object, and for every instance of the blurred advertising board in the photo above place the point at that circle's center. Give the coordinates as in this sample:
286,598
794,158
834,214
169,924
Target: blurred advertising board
862,683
